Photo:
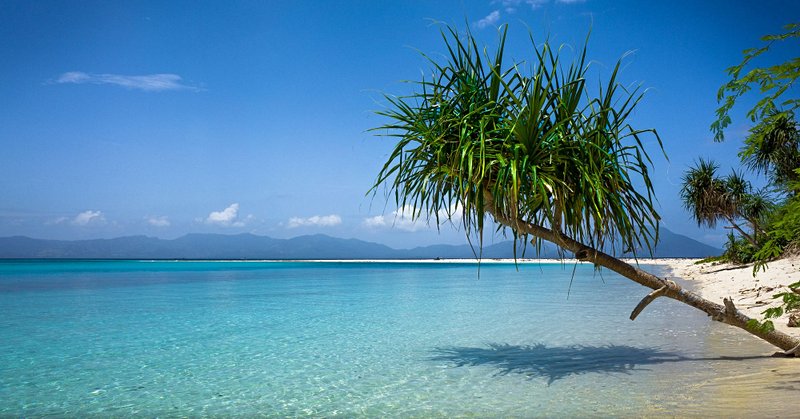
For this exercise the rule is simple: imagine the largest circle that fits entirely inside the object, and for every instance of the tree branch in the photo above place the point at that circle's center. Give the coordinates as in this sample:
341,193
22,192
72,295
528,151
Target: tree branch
739,229
793,352
649,298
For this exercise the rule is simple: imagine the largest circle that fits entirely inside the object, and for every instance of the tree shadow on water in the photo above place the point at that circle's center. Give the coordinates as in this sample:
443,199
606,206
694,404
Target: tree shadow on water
555,363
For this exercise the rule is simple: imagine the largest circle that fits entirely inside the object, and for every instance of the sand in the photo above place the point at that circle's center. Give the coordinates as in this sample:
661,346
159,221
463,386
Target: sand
751,295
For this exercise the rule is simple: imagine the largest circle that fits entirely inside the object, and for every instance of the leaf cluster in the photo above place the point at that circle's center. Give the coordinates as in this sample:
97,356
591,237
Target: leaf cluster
771,82
712,198
790,301
524,140
783,230
773,149
739,251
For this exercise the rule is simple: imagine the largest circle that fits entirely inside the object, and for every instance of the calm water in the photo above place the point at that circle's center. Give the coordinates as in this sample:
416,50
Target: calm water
126,338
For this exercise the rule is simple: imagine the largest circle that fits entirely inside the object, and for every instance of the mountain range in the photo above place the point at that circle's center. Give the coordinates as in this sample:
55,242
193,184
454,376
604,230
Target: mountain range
318,246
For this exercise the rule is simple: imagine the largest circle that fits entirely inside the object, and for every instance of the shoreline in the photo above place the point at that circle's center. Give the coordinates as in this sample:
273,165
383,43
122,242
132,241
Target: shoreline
713,281
751,295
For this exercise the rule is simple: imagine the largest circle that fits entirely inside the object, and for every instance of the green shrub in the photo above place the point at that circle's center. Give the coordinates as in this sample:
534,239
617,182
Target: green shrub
739,251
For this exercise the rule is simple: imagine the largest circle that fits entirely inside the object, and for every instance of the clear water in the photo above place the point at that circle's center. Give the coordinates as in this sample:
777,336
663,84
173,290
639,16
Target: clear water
128,338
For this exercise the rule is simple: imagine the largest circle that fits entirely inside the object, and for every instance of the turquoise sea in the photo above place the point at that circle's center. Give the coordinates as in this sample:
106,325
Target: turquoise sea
328,339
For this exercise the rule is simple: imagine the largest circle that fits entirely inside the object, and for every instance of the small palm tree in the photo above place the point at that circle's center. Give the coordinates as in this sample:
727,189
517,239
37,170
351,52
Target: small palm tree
536,152
756,209
703,193
710,199
774,149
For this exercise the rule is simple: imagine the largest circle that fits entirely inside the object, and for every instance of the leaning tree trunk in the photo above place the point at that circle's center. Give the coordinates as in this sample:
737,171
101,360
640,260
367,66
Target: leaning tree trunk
735,226
726,313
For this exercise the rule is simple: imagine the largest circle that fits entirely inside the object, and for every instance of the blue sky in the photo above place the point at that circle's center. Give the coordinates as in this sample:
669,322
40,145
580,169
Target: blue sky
166,117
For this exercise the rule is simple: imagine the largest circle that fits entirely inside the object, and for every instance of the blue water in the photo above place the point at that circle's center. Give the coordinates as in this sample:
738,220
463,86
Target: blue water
127,338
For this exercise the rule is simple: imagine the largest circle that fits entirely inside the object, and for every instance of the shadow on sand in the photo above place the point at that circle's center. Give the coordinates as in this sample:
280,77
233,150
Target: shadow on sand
555,363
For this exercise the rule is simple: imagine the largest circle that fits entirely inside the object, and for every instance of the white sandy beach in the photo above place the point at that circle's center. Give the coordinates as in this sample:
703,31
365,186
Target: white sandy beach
751,295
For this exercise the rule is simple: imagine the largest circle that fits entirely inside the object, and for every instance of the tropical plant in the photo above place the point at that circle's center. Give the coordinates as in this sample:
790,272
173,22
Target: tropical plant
739,251
783,230
772,147
774,150
703,193
710,199
537,153
756,208
773,83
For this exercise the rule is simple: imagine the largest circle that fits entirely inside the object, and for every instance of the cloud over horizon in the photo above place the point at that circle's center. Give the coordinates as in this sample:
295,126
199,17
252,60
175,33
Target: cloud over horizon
229,217
161,221
88,217
147,82
316,220
404,218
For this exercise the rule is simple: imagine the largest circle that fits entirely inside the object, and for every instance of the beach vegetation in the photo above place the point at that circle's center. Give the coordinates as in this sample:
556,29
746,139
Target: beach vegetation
772,149
763,326
773,83
711,198
531,149
739,251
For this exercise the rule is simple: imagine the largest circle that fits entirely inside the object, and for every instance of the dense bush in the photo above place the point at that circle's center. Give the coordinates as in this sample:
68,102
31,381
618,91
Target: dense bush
739,251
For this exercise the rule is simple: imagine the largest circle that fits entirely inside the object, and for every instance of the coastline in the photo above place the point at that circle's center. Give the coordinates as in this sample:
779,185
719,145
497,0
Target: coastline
714,281
751,295
270,341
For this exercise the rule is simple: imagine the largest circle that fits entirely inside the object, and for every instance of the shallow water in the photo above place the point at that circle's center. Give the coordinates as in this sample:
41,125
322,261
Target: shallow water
126,338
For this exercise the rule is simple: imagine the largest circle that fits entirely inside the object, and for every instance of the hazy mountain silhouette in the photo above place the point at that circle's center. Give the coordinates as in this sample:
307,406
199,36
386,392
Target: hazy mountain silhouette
318,246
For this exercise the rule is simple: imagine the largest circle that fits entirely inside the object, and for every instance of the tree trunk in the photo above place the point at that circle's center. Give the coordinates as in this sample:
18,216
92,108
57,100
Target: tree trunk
726,313
742,232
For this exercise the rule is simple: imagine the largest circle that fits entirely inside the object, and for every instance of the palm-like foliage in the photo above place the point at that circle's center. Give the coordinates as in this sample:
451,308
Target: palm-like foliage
774,149
756,208
704,194
710,198
774,83
539,154
530,148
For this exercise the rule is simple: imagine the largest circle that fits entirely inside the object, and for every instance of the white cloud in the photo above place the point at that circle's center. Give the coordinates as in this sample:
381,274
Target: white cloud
455,212
490,19
229,217
510,6
59,220
88,217
148,82
162,221
76,77
403,218
535,4
374,222
317,220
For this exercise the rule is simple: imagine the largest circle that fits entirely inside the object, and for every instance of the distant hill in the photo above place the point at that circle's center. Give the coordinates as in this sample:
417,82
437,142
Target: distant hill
673,245
318,246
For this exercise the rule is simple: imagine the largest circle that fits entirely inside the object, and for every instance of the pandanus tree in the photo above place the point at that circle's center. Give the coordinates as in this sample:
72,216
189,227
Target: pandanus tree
710,199
774,150
530,147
